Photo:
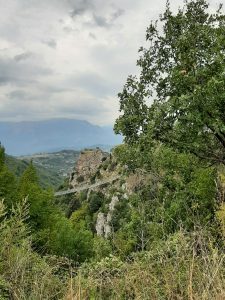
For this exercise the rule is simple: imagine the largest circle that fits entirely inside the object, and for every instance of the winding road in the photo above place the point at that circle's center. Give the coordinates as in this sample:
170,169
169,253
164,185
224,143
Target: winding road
87,186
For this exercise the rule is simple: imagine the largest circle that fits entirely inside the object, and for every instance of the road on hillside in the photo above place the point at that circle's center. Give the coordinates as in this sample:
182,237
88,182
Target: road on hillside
86,186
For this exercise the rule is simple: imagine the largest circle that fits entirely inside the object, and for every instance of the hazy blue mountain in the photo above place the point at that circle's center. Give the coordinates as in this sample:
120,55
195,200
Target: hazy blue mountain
23,138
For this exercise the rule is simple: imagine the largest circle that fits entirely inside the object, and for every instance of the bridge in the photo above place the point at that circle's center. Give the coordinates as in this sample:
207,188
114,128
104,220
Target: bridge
84,187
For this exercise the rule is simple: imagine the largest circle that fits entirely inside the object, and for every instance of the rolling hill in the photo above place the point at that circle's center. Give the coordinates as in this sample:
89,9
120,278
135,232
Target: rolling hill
52,168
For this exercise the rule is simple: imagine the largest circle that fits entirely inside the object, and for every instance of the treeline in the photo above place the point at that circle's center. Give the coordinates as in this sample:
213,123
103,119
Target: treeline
52,232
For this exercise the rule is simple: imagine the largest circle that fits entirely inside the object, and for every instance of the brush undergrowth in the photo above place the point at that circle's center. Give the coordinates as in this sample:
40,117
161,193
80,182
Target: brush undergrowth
185,266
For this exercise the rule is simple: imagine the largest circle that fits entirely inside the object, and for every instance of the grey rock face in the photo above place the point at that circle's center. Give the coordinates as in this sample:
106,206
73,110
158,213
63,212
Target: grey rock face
100,224
87,165
103,227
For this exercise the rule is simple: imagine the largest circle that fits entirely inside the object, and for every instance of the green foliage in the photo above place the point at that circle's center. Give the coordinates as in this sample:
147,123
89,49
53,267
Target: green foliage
112,166
29,176
80,179
92,179
102,248
16,166
98,174
79,214
95,201
40,201
105,165
84,236
186,189
182,70
23,273
47,177
2,156
7,182
74,204
121,215
185,266
53,233
7,187
67,239
180,192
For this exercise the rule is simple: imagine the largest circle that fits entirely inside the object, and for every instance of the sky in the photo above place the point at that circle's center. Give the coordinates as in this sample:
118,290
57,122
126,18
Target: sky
70,58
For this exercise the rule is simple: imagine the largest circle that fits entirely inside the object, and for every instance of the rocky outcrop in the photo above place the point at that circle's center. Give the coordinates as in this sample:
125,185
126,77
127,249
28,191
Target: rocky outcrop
100,224
94,168
87,165
103,227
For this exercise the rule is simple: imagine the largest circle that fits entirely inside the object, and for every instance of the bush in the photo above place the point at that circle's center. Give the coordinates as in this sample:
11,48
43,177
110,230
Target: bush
105,165
92,179
80,178
112,166
23,273
95,201
186,266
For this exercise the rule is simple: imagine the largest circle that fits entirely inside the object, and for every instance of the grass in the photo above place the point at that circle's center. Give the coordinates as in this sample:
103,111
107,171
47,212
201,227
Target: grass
183,267
187,265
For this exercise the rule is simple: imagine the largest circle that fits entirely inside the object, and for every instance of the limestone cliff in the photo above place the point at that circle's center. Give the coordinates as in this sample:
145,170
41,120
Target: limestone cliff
96,166
87,165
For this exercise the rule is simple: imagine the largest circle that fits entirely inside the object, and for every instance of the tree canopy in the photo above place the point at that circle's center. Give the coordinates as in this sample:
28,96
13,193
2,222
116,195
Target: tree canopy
182,74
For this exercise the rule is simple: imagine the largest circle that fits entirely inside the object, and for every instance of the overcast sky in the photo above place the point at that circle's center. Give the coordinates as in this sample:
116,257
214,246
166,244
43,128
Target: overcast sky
70,58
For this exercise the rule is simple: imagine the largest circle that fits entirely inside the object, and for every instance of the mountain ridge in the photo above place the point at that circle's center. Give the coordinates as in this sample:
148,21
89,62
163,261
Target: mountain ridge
28,137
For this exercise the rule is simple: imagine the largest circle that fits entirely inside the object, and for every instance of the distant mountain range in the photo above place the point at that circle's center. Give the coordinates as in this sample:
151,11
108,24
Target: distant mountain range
24,138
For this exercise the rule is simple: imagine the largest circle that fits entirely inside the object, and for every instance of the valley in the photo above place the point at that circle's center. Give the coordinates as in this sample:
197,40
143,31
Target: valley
52,168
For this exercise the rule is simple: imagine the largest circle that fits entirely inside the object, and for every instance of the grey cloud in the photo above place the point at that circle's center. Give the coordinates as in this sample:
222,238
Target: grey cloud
95,84
77,12
83,74
100,21
18,95
117,13
81,7
90,109
68,29
22,110
92,35
54,89
22,73
22,56
50,43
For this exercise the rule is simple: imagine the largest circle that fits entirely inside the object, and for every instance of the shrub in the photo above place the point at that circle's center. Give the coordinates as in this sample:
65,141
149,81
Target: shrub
23,273
80,178
95,201
185,266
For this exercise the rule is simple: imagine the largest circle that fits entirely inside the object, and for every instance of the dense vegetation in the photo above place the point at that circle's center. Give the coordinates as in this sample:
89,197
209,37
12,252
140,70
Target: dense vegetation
52,168
48,178
168,237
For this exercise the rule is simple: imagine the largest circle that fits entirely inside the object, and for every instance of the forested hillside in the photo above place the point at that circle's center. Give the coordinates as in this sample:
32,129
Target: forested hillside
47,177
157,230
52,168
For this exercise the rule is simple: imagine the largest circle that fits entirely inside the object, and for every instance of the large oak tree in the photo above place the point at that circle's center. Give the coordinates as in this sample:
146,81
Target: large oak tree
182,71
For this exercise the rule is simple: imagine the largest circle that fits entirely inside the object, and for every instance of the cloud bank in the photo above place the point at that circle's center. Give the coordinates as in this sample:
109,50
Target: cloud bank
69,58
